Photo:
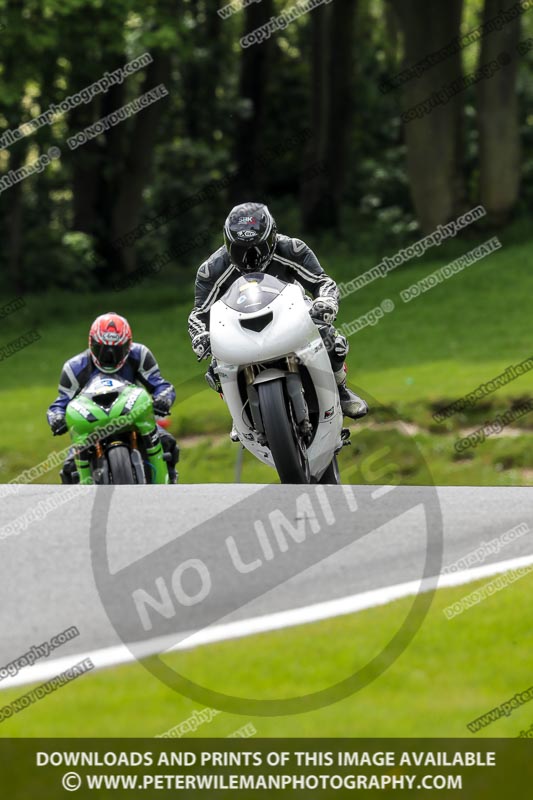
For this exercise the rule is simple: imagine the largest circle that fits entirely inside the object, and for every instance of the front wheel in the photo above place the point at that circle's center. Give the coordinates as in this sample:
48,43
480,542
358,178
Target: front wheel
120,466
284,440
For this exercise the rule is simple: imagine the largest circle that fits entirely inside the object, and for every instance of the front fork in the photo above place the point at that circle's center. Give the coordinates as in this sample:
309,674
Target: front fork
293,382
83,468
154,453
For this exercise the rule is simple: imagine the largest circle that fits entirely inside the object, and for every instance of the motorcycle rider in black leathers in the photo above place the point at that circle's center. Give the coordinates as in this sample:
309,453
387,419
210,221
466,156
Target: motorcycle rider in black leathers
252,244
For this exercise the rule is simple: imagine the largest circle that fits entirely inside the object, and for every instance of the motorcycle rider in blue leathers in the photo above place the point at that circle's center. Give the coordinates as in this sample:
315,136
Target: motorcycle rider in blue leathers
112,351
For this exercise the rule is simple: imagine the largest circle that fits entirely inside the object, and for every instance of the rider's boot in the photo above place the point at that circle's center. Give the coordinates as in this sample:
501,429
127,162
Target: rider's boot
171,454
69,474
213,380
352,405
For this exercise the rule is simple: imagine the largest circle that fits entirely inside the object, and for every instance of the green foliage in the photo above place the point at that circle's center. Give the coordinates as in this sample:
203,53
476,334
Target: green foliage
54,48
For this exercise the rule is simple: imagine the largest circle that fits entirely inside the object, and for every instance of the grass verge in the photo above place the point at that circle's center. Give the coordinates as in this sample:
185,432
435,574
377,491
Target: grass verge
416,359
451,674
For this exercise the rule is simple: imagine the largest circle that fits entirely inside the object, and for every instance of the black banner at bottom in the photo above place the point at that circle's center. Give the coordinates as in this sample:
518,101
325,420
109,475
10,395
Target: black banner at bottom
147,769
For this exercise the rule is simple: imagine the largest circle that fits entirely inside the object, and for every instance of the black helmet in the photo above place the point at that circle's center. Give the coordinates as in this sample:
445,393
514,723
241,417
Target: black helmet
250,235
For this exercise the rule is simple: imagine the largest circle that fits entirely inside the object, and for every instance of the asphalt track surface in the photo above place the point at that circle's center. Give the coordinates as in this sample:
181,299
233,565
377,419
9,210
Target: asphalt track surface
219,553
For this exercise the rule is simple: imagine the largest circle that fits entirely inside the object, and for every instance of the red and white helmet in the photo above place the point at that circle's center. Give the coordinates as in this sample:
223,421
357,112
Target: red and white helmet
110,341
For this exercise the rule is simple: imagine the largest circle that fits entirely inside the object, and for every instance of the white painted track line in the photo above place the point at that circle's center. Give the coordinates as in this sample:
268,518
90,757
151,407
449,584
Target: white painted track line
121,654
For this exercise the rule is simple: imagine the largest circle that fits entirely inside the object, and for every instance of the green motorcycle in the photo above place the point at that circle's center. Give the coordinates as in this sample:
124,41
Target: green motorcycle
114,434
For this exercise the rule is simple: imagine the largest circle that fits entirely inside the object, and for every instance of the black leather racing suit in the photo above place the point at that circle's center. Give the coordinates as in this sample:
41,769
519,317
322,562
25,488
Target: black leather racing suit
293,262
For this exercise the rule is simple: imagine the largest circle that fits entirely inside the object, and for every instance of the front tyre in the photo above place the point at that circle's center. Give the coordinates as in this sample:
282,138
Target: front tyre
120,466
284,440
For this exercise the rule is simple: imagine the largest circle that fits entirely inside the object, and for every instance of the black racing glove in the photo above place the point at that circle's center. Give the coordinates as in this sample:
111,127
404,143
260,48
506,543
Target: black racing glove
162,403
57,423
324,309
201,345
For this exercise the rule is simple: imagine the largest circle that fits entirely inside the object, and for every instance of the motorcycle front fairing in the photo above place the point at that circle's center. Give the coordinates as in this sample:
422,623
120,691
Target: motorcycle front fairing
109,406
261,322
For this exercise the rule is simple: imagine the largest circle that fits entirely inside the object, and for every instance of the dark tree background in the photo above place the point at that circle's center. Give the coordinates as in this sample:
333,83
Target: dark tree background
299,120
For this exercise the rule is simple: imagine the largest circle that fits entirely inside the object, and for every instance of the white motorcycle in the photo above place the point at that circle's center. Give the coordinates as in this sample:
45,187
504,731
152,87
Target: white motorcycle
277,379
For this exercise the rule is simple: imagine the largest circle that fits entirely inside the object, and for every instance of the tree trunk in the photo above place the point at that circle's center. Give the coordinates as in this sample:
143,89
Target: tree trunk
135,170
192,78
393,38
332,29
93,163
86,171
434,141
11,202
217,59
14,220
498,120
201,72
254,80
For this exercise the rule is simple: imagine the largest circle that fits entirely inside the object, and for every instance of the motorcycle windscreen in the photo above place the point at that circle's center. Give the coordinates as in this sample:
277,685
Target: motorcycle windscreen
102,385
253,292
